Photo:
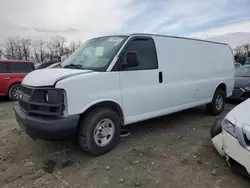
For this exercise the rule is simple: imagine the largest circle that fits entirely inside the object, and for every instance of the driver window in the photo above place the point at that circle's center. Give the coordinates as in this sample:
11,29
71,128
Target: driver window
146,51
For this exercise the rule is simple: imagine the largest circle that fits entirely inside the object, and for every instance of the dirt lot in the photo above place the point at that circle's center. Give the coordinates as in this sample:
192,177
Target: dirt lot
171,151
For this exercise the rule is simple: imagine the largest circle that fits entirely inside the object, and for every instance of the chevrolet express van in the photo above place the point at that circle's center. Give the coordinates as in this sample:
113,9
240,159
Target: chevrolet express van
117,80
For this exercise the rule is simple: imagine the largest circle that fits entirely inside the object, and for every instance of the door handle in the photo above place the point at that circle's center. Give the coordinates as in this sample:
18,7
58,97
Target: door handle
160,77
6,78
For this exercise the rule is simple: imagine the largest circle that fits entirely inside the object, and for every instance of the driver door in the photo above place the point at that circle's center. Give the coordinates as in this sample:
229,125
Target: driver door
142,90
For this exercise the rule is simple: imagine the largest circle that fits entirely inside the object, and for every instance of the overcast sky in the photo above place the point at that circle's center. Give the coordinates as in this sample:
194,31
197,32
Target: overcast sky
81,19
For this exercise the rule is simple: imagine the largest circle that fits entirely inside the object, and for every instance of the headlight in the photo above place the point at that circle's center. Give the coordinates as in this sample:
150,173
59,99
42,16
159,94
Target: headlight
229,127
53,96
247,88
46,96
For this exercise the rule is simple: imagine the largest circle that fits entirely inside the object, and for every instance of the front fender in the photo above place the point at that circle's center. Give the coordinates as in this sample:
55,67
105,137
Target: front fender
89,105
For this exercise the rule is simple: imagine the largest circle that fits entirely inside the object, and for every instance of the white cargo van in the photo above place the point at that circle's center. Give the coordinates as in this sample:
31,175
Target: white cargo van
118,80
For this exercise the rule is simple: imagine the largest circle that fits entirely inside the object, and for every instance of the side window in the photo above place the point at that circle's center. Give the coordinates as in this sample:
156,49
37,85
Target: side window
146,51
3,68
21,67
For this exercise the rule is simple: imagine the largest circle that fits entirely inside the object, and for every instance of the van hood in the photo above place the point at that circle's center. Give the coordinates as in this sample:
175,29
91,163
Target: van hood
240,113
48,77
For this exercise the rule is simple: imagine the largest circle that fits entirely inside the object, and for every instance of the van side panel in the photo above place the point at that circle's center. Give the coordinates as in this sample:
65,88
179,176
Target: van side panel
193,69
85,90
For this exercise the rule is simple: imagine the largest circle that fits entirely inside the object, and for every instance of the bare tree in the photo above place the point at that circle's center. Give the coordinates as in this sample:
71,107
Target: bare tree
238,50
40,51
26,44
57,48
246,48
9,48
16,48
242,52
74,45
1,51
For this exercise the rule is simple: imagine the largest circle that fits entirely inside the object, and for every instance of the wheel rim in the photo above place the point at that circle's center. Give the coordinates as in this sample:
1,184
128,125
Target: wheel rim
15,92
219,102
104,132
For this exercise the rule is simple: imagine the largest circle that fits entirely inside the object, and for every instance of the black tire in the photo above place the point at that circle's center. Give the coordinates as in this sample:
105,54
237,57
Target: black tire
12,92
212,107
87,127
216,128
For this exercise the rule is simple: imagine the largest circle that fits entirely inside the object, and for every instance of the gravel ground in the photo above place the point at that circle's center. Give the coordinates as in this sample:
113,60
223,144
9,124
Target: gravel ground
171,151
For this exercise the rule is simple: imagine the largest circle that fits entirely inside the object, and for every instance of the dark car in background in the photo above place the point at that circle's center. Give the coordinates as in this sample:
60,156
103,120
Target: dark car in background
49,65
44,65
242,83
12,73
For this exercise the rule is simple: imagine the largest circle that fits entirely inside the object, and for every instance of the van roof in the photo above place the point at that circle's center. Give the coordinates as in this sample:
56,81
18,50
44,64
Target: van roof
157,35
13,61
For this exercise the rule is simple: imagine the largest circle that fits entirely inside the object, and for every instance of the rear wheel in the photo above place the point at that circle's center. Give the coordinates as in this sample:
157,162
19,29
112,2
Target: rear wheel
99,131
217,105
14,91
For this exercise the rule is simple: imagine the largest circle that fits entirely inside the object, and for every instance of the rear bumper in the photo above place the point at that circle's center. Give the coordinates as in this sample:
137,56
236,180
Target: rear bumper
229,146
46,128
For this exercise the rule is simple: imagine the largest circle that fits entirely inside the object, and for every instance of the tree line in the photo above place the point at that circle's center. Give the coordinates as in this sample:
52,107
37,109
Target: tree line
241,53
56,48
38,51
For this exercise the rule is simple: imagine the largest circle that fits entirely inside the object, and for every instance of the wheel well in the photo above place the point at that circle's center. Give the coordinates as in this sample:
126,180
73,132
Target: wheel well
13,84
223,87
106,104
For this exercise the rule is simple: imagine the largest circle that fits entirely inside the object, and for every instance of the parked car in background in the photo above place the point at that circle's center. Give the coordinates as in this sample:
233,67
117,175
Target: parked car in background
247,62
231,137
12,73
242,83
55,65
48,65
118,80
44,65
237,65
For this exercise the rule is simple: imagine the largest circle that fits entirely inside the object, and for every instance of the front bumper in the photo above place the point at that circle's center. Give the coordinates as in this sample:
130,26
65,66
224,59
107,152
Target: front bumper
240,94
229,146
46,128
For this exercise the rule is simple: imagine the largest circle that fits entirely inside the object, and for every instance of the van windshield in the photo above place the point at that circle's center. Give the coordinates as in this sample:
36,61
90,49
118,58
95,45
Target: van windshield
96,54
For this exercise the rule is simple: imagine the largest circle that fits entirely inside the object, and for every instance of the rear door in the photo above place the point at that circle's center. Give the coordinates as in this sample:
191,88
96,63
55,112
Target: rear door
141,85
19,70
5,78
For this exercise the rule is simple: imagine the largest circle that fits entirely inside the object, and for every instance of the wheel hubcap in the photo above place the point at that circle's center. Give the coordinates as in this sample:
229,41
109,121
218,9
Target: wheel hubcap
15,92
104,132
219,102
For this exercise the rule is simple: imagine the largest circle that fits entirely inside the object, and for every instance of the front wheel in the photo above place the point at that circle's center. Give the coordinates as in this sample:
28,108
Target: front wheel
217,105
99,131
13,92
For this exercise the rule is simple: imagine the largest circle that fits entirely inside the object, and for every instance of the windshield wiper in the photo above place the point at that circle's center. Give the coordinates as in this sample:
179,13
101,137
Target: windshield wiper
73,66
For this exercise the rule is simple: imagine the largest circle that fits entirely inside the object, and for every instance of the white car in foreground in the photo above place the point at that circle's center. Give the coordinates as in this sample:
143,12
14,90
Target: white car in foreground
231,137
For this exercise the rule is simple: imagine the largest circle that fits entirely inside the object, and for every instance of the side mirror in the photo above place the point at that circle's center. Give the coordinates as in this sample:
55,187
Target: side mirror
131,60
